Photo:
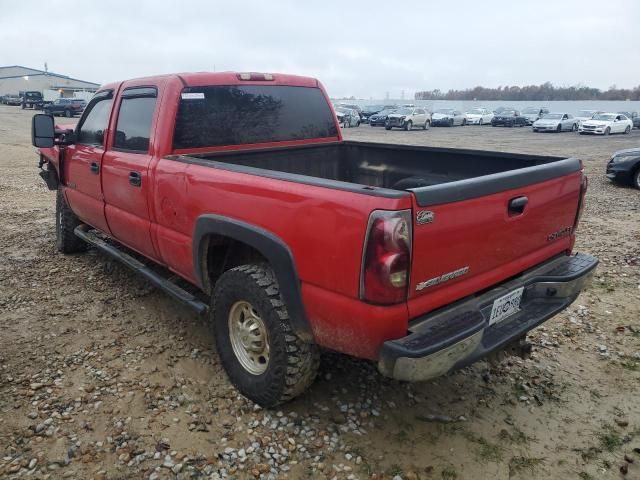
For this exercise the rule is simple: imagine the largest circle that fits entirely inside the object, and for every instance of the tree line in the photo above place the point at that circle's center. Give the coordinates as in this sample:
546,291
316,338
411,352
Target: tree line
545,92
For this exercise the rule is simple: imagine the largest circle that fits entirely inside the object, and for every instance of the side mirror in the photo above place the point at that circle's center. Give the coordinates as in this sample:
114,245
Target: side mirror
42,131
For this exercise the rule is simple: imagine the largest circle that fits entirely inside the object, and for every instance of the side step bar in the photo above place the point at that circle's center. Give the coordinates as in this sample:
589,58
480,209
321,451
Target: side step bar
152,277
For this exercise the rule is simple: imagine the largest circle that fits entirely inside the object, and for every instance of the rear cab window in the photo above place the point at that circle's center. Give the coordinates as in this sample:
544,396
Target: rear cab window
223,115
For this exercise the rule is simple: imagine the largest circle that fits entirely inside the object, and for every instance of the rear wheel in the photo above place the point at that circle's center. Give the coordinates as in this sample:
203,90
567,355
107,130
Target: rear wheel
451,122
574,127
408,125
66,223
387,127
535,129
67,113
480,122
263,357
464,122
636,178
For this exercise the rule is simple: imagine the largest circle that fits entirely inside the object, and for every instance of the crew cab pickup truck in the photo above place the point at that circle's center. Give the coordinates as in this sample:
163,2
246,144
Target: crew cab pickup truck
423,260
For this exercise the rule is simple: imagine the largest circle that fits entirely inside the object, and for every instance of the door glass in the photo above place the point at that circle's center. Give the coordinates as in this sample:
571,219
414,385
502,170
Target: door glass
134,124
91,131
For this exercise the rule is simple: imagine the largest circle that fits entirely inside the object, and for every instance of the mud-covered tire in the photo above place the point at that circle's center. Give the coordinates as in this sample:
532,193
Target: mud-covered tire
292,364
66,222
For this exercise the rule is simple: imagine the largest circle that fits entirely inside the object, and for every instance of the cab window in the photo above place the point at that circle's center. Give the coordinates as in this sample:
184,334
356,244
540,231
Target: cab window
94,122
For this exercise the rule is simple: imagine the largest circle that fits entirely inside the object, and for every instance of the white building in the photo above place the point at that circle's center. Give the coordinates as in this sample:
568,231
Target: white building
15,79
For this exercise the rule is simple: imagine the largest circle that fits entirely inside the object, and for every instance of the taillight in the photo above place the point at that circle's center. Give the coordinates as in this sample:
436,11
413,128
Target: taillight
386,257
583,191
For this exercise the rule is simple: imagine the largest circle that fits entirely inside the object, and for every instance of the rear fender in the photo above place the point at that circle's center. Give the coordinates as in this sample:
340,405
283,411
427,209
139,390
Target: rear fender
270,247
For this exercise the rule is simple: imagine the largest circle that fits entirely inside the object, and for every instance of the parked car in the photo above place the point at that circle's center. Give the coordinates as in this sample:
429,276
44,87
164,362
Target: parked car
409,117
448,117
379,119
509,118
11,99
68,107
634,117
532,114
624,167
32,99
606,123
296,240
347,117
586,115
555,122
357,108
369,110
500,110
479,116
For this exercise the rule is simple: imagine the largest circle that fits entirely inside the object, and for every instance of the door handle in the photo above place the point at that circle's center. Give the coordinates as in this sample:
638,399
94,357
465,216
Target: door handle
516,205
95,168
135,179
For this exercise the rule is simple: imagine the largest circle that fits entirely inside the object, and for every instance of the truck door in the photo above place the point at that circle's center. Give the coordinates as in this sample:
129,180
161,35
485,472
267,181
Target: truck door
125,176
82,162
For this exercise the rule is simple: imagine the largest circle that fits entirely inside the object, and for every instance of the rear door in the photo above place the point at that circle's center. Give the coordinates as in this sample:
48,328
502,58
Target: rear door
126,180
462,247
82,162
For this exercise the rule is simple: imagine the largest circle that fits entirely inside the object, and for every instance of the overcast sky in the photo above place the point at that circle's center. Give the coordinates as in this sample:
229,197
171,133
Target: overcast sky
355,48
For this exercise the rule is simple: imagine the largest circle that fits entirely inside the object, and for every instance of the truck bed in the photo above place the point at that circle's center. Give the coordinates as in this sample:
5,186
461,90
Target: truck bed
390,168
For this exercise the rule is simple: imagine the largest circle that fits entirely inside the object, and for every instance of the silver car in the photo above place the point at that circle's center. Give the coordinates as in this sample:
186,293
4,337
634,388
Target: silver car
448,117
347,117
556,122
532,114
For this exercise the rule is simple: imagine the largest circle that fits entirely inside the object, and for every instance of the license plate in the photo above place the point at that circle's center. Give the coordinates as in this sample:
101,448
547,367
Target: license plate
506,306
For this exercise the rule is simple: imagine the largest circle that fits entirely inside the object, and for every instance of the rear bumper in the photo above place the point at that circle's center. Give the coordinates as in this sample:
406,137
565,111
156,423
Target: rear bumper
458,335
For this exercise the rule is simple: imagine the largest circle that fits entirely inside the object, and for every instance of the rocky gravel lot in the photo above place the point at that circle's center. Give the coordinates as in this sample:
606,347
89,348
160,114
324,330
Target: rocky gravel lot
103,377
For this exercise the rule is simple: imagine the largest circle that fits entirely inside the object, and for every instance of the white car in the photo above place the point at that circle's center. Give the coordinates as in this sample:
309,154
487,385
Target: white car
606,123
584,115
479,116
409,117
555,122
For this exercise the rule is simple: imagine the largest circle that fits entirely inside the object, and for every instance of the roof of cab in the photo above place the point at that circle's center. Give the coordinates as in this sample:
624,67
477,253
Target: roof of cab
200,79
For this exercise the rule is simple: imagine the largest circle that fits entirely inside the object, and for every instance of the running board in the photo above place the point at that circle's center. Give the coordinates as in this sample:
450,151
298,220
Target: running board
152,277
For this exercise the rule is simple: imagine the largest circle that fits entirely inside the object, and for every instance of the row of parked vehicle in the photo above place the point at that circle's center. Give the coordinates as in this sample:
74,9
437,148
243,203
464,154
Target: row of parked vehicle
68,107
541,119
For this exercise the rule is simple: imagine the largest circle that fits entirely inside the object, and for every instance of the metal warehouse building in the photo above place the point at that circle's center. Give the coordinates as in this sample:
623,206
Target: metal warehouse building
15,78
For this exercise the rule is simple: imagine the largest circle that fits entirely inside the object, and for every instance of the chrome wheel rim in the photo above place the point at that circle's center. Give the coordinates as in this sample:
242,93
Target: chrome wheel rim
249,339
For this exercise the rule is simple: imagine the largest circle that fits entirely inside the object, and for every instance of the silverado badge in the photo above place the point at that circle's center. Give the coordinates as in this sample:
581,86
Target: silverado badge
442,278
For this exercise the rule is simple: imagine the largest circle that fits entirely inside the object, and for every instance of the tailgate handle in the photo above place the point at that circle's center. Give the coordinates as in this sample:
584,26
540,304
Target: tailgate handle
516,205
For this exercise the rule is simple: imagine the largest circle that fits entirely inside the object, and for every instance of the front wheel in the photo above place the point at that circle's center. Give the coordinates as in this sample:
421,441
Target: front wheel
67,113
480,122
574,127
464,122
263,357
559,128
607,131
386,127
66,223
636,178
426,125
627,130
408,125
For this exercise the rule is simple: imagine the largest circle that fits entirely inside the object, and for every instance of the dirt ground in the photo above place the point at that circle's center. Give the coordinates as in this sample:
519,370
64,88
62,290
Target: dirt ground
104,377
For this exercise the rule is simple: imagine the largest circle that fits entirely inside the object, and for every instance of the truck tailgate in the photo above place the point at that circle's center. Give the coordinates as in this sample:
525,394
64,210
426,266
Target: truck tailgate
465,246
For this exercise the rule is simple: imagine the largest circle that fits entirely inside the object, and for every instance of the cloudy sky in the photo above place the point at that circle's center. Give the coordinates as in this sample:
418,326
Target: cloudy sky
354,47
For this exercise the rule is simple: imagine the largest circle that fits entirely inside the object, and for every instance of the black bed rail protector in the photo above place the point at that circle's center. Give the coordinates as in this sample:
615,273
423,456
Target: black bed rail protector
497,182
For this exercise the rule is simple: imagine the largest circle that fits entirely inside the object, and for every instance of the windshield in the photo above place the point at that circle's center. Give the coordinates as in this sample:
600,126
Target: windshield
604,116
445,110
404,111
372,108
387,112
476,111
554,116
32,94
531,110
239,115
585,113
508,113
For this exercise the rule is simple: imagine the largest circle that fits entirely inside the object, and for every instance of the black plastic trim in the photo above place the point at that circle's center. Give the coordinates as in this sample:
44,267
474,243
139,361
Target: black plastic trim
489,184
270,246
290,177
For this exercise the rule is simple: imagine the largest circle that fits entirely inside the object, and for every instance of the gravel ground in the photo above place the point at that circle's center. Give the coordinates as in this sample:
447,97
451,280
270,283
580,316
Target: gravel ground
103,377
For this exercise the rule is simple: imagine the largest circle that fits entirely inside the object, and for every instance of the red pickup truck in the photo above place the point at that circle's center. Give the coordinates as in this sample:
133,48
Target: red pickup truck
421,259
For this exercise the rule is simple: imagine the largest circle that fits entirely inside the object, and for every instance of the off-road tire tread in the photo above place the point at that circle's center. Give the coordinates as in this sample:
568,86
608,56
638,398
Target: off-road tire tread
66,240
300,360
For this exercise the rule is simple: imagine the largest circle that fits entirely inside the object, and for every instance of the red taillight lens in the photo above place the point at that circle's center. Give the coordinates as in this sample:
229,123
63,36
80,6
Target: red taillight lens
583,191
386,257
